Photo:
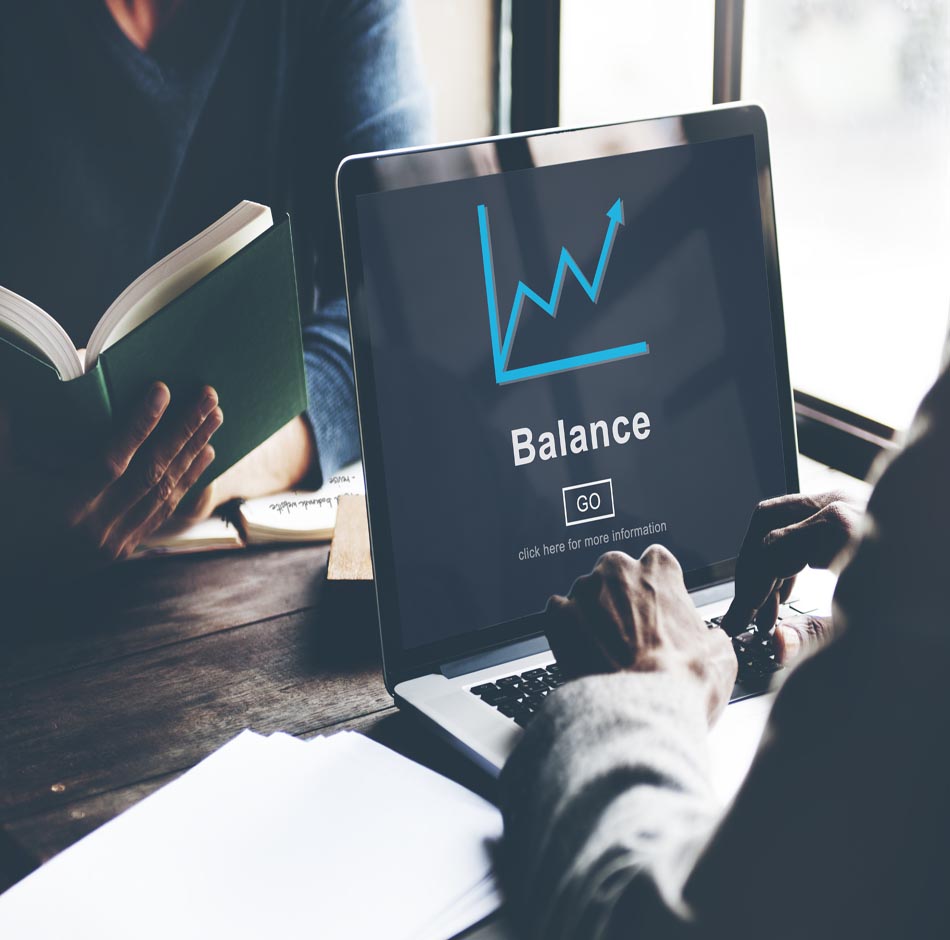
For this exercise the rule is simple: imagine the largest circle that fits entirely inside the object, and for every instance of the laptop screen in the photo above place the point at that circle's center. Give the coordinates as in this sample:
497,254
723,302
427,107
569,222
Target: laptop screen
569,359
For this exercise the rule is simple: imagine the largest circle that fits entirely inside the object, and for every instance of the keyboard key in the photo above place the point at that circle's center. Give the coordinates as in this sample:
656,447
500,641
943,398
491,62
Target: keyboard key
519,697
510,681
755,653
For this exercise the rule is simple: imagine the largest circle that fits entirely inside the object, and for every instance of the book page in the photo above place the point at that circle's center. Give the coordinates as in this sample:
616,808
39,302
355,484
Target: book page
34,331
211,534
300,515
176,272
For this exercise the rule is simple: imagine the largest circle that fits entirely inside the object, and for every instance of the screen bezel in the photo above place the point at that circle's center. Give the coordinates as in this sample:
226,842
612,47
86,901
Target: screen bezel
381,172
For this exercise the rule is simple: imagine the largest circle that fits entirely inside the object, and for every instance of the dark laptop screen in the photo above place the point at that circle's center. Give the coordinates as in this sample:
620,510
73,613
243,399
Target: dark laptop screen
568,360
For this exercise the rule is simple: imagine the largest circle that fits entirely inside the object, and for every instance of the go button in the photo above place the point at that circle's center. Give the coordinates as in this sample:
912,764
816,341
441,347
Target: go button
588,502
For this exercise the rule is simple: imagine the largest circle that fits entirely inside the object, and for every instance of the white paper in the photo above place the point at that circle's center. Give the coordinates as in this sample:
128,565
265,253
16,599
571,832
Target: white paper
275,837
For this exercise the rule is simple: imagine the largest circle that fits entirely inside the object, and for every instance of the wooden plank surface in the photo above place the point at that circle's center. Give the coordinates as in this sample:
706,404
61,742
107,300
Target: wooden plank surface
152,665
350,557
147,603
108,725
111,689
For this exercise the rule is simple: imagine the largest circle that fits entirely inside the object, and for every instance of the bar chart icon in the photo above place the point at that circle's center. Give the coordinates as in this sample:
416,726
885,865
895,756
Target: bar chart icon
502,345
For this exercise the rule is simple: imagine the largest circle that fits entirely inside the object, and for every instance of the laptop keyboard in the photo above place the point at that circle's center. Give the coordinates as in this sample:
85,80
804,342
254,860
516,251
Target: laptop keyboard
754,653
519,696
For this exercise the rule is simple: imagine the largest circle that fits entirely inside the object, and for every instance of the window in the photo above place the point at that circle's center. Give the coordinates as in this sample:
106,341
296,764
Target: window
457,44
622,59
858,100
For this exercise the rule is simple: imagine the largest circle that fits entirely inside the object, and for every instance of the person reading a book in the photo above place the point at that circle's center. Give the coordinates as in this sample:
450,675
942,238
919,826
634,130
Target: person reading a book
840,828
138,123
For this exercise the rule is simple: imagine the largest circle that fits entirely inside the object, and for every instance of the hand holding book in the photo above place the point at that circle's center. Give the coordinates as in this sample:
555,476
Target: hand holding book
219,312
101,503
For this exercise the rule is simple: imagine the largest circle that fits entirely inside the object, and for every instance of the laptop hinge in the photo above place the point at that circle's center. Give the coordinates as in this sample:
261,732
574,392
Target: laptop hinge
495,656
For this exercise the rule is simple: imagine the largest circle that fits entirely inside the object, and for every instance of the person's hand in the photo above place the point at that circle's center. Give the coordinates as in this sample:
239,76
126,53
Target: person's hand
636,615
796,635
785,535
98,507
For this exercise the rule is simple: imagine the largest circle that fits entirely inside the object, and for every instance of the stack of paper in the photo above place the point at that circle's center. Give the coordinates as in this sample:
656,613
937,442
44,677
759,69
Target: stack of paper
275,837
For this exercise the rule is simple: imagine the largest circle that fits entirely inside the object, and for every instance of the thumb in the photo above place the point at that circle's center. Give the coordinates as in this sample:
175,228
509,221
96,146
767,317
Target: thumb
797,636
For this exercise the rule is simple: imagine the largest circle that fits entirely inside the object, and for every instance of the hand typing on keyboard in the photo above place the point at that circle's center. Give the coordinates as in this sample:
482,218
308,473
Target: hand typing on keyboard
784,535
635,615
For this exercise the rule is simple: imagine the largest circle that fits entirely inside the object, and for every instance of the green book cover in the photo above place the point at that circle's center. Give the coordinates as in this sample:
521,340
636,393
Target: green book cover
237,329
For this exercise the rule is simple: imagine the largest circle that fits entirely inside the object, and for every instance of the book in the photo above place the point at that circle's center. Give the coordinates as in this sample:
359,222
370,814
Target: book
214,534
220,310
286,518
299,515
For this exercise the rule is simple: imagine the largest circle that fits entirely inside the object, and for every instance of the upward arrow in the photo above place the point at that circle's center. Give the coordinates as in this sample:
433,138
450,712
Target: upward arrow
565,263
615,212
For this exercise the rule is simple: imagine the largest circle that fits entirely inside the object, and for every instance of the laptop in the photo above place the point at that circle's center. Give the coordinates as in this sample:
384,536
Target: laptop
565,343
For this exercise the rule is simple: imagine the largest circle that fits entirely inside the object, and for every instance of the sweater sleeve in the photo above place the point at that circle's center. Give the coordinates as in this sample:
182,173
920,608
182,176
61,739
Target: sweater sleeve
839,829
369,94
607,794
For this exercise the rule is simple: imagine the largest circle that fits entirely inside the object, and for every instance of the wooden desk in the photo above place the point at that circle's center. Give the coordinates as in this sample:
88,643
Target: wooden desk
107,695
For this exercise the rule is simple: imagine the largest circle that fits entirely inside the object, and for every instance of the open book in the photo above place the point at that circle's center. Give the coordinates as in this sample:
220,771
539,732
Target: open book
291,517
299,515
220,310
39,334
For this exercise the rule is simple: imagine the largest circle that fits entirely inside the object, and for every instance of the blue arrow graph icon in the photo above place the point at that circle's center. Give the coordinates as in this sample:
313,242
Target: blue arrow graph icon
501,349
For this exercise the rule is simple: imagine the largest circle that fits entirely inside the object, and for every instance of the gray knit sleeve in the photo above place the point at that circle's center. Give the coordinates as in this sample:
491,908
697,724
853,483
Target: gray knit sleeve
607,795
